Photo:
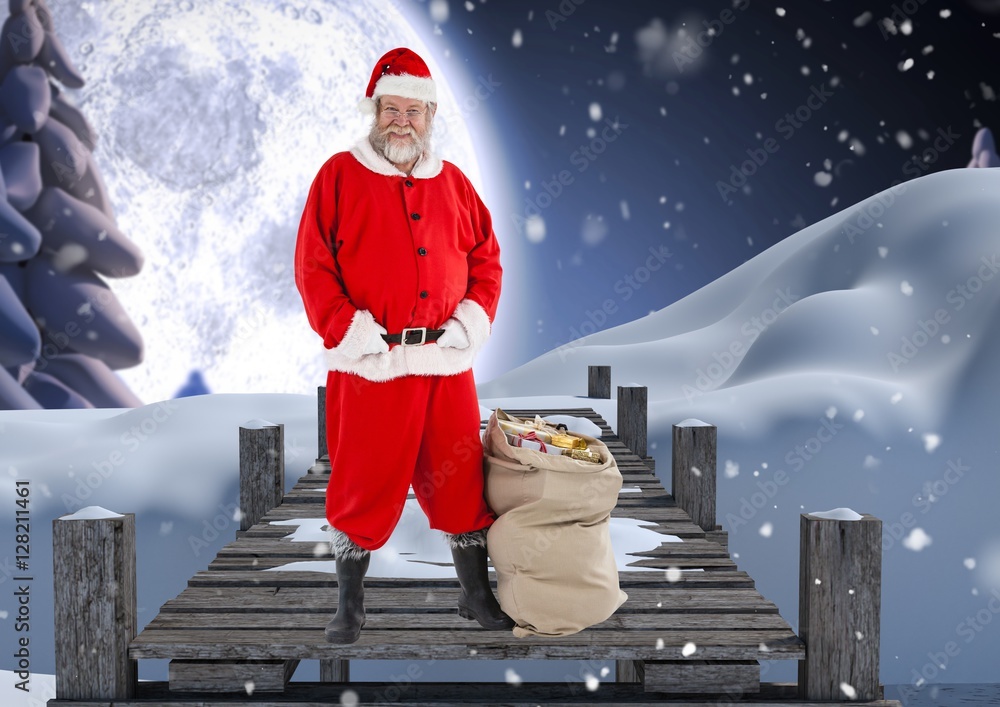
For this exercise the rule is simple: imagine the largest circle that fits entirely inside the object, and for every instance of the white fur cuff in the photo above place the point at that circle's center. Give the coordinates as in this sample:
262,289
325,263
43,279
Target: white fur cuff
476,322
474,538
342,547
362,325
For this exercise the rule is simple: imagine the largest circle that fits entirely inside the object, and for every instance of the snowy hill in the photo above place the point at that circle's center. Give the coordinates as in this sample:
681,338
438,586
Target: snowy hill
853,364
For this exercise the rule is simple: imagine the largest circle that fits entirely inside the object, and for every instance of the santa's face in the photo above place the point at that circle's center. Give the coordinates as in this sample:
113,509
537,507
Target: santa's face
402,128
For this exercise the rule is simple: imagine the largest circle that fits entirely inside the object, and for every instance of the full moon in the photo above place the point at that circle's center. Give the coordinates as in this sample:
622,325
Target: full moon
212,120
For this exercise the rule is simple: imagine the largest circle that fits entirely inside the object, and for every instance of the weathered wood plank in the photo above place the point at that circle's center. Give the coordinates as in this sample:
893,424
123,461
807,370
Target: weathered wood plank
317,617
740,676
267,563
287,580
300,599
282,548
430,694
290,511
480,645
248,676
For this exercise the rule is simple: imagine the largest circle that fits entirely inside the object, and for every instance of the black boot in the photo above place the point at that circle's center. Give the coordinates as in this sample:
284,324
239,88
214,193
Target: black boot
477,600
350,617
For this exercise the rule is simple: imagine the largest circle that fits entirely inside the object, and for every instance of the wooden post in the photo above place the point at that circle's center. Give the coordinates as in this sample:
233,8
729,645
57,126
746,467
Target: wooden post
840,592
321,417
262,469
693,473
334,670
629,671
93,562
599,382
632,418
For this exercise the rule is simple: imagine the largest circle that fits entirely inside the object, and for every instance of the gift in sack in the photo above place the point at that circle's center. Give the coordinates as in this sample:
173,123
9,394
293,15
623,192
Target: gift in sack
551,542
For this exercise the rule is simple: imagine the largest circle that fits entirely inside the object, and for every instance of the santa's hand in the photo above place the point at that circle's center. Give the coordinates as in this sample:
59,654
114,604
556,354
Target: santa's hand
454,335
376,344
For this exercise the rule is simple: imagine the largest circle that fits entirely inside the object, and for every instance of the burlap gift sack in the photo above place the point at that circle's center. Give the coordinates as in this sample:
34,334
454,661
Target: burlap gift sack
551,542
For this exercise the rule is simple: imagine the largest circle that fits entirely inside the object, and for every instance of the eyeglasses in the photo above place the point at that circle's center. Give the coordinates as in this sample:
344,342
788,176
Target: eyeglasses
394,114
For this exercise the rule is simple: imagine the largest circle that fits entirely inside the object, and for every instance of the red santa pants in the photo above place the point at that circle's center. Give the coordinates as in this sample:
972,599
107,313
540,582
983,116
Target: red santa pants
382,437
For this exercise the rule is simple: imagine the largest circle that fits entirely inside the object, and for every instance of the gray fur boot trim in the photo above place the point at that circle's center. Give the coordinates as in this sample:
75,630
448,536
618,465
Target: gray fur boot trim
473,538
341,546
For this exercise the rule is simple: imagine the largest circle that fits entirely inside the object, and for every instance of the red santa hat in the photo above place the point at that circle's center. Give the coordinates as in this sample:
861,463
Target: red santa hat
400,72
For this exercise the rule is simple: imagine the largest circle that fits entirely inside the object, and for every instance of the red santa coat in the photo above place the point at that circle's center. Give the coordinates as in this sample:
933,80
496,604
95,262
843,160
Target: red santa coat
377,246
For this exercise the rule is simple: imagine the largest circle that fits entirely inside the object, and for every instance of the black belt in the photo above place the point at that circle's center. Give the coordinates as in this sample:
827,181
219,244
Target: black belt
414,336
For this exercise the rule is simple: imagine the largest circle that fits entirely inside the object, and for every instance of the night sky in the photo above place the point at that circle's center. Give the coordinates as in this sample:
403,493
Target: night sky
837,101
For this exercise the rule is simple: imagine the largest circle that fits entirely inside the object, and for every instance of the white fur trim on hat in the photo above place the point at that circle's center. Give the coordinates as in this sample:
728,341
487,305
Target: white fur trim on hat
419,88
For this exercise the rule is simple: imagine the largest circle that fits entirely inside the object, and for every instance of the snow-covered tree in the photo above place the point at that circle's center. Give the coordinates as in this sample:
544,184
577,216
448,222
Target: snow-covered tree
63,332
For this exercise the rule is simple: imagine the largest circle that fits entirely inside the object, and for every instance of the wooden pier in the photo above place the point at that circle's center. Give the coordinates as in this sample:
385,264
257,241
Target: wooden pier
236,634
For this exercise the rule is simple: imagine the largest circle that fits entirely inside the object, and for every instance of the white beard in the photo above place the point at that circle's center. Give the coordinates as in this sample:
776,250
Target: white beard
403,152
399,152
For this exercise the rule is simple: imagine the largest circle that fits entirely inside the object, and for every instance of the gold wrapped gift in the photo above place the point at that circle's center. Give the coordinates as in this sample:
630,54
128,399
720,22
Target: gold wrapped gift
586,455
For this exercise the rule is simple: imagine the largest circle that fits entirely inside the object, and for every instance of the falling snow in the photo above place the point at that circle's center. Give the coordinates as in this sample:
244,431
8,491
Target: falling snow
917,540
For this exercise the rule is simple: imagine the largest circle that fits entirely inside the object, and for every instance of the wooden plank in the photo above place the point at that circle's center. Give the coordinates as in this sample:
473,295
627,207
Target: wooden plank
686,677
718,563
291,511
194,644
626,580
428,694
267,563
249,676
301,599
318,617
282,548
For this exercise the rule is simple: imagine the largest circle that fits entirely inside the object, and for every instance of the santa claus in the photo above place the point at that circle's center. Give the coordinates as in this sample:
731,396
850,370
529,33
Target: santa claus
399,271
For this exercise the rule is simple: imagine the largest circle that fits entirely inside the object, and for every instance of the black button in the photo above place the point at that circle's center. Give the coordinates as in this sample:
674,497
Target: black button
408,183
422,251
423,295
415,217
